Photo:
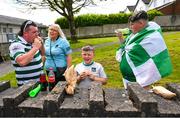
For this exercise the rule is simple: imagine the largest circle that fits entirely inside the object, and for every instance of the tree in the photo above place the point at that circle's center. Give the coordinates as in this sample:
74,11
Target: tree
66,8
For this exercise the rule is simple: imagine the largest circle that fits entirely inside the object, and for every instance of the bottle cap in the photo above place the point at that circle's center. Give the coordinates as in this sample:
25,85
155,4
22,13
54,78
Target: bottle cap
50,68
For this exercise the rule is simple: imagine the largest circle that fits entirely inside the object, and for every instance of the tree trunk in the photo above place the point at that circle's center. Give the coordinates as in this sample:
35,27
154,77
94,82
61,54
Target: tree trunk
72,29
71,20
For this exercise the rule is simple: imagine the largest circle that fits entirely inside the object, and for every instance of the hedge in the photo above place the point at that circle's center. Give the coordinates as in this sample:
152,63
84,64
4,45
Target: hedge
101,19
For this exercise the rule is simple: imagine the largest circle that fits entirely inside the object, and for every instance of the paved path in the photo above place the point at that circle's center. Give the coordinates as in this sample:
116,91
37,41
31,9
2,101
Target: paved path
7,67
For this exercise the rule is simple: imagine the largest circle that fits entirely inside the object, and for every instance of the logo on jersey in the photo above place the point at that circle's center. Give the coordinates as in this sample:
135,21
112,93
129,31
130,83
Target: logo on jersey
93,69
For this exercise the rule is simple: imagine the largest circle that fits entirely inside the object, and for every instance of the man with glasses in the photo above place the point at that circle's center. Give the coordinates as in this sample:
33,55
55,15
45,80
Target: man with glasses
25,53
89,70
143,55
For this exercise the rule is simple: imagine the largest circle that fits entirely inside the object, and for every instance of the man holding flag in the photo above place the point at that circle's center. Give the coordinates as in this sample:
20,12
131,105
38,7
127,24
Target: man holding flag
143,55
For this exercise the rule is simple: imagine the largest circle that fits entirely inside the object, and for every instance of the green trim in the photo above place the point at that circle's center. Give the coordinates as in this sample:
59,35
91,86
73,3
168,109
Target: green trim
141,35
18,53
88,64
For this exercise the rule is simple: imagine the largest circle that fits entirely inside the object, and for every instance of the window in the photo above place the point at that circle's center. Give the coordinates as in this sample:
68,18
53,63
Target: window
4,30
10,30
10,37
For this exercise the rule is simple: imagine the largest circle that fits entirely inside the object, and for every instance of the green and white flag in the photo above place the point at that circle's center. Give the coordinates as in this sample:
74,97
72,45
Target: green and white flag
146,54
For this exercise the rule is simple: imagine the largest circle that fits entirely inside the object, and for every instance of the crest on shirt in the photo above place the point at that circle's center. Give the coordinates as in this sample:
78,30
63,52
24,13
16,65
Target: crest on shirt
15,48
93,69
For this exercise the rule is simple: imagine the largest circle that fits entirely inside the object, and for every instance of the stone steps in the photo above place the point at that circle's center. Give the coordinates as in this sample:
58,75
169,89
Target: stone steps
96,101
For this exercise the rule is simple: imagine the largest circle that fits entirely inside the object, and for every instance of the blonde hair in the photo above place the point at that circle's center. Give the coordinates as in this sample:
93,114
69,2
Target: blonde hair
58,29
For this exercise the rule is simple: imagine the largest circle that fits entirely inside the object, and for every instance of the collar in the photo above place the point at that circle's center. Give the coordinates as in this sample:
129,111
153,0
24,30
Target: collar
88,64
22,40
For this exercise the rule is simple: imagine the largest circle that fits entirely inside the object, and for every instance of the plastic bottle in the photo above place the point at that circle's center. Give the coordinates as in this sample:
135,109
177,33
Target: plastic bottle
43,81
124,31
51,79
35,91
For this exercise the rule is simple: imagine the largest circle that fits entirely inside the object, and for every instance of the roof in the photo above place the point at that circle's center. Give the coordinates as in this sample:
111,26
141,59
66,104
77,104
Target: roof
146,1
131,8
165,5
15,21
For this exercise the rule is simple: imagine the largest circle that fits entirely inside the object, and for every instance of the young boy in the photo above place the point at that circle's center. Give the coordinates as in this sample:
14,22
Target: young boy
88,70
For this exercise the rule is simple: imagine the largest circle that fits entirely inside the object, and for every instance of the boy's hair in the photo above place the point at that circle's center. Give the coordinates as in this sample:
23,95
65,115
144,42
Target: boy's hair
87,48
139,15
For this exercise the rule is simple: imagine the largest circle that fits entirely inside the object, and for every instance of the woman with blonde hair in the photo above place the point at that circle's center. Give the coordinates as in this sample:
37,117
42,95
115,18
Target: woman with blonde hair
57,51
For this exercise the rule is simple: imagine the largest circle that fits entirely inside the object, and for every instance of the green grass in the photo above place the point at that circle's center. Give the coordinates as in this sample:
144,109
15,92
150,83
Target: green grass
92,41
106,56
11,77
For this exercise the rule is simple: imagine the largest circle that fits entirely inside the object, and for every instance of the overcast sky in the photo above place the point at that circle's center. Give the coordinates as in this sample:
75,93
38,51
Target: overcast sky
47,17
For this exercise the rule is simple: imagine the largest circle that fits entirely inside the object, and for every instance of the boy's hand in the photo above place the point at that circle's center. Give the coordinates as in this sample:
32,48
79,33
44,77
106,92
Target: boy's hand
92,77
82,75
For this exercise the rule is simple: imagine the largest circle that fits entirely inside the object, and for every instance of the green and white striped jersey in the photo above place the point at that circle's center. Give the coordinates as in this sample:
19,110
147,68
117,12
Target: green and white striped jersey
33,69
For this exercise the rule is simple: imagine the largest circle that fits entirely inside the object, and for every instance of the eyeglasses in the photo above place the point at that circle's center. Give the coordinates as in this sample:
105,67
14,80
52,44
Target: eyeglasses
87,48
29,22
53,30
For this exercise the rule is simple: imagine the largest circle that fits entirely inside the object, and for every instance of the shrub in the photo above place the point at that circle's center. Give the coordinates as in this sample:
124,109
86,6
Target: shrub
153,13
101,19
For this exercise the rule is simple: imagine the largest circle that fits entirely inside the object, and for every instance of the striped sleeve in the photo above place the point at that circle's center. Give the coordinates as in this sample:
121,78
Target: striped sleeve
16,49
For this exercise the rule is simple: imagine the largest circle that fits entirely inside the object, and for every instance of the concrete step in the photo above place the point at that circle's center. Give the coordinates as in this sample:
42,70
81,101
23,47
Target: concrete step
95,101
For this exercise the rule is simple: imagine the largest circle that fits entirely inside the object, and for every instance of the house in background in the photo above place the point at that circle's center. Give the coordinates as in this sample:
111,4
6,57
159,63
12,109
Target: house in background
158,3
167,7
9,27
142,5
129,9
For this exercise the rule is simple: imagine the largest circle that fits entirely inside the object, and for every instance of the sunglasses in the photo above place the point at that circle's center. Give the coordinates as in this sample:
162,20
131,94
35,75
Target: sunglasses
29,22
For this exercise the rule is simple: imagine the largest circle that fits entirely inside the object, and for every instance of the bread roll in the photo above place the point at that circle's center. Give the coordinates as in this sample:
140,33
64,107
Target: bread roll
163,92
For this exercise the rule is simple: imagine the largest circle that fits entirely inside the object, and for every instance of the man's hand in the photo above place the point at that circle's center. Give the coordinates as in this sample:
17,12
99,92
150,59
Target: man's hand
37,43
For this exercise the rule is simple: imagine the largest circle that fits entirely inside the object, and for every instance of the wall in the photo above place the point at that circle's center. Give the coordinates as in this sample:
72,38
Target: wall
167,23
96,31
93,102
